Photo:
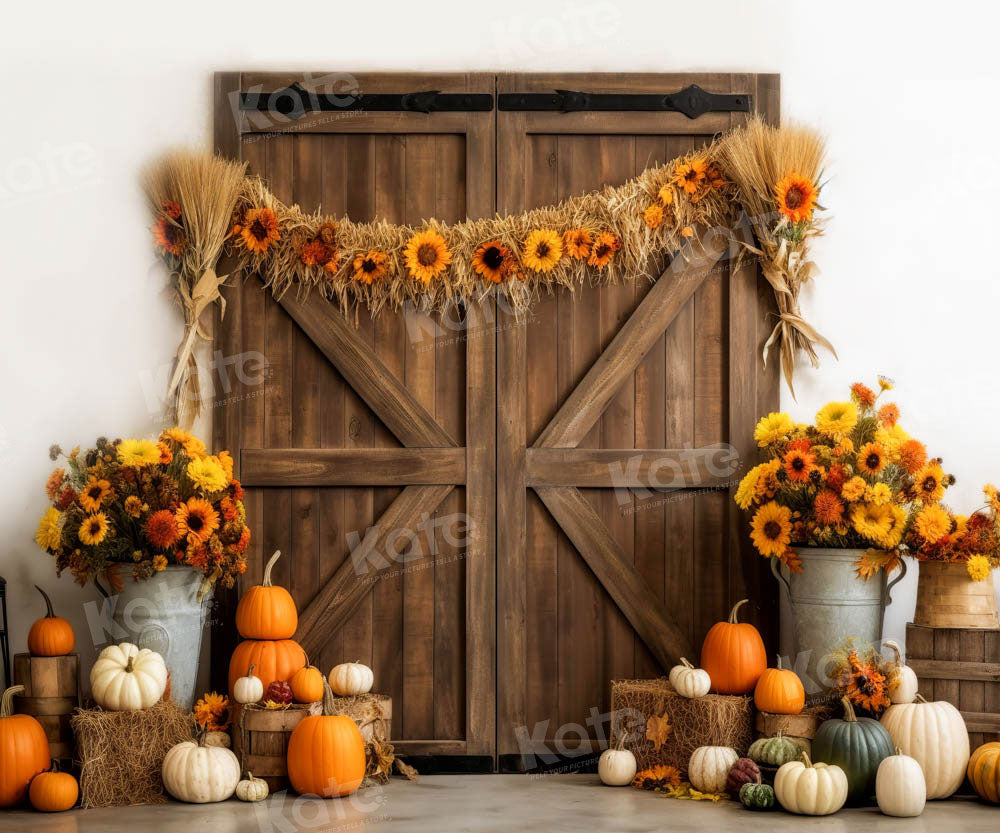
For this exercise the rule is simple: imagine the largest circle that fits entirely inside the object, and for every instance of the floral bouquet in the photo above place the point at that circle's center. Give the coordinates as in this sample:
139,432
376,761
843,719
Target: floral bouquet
864,676
854,480
146,504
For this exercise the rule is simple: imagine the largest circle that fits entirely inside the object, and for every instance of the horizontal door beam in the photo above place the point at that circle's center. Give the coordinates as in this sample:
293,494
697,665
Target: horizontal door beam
630,468
291,467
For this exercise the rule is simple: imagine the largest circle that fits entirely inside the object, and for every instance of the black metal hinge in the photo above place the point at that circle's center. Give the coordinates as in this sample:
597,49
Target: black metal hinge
295,101
692,101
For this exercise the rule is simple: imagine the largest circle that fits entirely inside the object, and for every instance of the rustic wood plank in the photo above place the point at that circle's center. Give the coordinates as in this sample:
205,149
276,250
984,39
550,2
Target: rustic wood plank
992,699
981,722
920,646
359,466
591,538
376,553
946,647
588,401
620,468
934,669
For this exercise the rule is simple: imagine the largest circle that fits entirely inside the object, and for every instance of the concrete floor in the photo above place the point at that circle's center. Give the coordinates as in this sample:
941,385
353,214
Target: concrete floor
501,803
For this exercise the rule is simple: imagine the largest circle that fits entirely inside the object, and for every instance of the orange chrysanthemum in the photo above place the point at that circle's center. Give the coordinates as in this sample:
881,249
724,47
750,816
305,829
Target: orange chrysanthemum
871,458
888,414
913,456
370,266
493,261
327,232
689,175
161,529
863,395
54,482
196,519
836,477
427,255
577,243
796,197
166,455
604,249
172,209
653,215
260,230
317,253
799,465
665,195
828,508
212,712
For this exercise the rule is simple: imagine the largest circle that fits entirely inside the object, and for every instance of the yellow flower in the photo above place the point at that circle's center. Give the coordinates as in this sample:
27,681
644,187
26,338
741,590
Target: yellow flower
872,522
772,428
94,494
961,524
207,474
894,535
159,562
94,529
49,535
225,459
845,446
427,255
653,215
542,250
878,494
212,712
978,567
837,419
933,523
138,453
992,496
885,383
771,529
929,483
747,489
854,489
133,506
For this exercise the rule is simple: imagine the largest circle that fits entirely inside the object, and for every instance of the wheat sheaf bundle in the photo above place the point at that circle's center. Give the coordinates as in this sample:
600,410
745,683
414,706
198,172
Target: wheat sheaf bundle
619,233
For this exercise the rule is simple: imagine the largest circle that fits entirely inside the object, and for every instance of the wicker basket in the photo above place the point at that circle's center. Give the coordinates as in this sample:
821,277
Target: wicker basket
948,598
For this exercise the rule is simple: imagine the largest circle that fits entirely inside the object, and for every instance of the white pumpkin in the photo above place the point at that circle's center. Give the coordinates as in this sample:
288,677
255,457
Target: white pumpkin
616,767
904,687
900,788
689,681
935,734
248,689
251,789
709,767
125,678
810,789
350,678
200,774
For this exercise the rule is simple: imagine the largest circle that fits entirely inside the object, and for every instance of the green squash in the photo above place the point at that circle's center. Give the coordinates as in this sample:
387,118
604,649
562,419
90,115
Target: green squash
757,796
857,746
774,751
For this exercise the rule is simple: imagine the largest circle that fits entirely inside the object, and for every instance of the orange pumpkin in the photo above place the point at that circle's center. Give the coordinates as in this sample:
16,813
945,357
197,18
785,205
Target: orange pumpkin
53,791
307,684
779,691
267,611
273,660
733,655
24,750
50,636
326,755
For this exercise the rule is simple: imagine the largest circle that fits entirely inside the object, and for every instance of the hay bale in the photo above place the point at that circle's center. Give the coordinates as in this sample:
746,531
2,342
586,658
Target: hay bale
663,728
121,752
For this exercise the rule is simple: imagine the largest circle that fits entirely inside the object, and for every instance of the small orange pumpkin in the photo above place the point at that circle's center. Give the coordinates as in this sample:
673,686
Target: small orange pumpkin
779,691
24,750
326,755
267,611
273,660
53,791
307,684
50,636
983,771
733,655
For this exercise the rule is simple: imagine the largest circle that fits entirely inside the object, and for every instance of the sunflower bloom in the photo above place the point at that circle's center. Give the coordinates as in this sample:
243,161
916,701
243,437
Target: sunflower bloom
196,519
771,529
94,529
837,419
689,175
773,428
978,567
95,493
799,465
49,534
260,230
207,474
871,458
370,266
212,712
796,198
427,255
577,243
604,249
933,523
930,483
168,236
138,453
493,261
542,250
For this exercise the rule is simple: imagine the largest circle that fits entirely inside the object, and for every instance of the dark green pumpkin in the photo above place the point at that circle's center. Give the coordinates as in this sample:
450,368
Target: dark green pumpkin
757,796
857,746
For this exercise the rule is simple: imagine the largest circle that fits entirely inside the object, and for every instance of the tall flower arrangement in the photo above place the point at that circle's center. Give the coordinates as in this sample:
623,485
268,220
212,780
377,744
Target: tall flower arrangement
854,480
146,504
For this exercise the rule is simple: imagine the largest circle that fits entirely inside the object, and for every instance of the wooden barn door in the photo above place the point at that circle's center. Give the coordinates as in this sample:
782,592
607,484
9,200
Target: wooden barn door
368,453
603,388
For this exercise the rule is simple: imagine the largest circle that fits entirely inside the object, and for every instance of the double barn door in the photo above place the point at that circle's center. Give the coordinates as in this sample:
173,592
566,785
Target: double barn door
463,499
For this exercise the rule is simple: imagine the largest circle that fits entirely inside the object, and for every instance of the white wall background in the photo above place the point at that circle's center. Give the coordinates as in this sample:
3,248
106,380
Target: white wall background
909,99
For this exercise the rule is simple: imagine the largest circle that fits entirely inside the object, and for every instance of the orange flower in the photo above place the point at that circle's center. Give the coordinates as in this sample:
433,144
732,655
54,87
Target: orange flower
212,712
604,249
863,395
913,456
161,529
687,231
659,777
828,508
837,477
166,455
799,465
172,209
317,253
327,232
370,266
796,197
54,482
577,243
196,519
260,230
888,414
653,215
168,235
493,261
665,195
95,493
689,175
871,458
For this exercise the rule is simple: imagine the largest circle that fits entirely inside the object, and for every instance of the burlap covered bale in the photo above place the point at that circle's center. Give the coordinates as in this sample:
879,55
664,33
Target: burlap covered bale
641,706
373,714
121,753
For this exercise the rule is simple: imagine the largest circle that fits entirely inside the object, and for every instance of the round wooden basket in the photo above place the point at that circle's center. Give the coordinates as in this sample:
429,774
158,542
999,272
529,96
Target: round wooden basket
260,739
948,598
51,694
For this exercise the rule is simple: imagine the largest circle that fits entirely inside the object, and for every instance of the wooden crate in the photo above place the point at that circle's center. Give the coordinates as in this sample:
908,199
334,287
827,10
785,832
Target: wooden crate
51,693
260,739
962,666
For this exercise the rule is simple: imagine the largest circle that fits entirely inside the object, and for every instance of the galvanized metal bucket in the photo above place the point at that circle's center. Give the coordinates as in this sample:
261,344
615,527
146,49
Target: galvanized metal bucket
165,615
830,604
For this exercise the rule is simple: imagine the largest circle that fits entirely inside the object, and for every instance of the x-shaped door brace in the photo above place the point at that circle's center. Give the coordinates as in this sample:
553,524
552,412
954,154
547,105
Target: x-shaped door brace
432,463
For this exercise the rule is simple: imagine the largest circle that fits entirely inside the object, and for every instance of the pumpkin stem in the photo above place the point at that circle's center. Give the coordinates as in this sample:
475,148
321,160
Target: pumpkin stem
806,759
54,766
920,698
849,714
328,705
48,603
267,570
895,649
250,670
686,663
7,701
779,662
736,607
128,665
899,751
202,734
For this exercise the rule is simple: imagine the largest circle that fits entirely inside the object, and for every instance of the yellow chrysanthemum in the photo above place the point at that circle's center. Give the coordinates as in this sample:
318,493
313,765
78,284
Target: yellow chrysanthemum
773,428
771,529
94,529
845,446
191,444
207,474
767,481
49,534
837,419
878,494
225,459
978,567
894,536
961,524
992,496
885,383
933,523
542,250
138,453
854,489
159,563
747,490
872,522
427,255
